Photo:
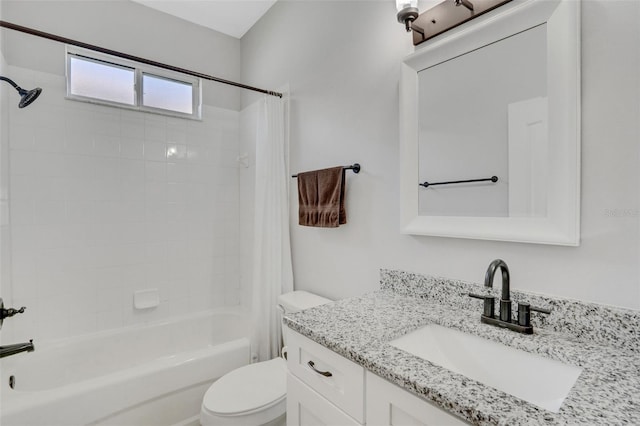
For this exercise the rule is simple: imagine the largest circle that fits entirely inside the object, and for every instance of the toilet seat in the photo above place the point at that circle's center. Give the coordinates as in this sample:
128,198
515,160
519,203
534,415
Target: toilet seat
247,390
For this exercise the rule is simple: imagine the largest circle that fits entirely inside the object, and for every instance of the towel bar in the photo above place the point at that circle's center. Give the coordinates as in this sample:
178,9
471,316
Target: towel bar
355,167
492,179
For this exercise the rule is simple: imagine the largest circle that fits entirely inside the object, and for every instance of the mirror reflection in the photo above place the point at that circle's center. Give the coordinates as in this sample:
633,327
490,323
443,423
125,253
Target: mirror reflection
484,114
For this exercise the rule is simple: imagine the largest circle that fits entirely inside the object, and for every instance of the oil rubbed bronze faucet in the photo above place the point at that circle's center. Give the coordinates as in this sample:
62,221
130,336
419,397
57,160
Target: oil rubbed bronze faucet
17,348
9,350
523,322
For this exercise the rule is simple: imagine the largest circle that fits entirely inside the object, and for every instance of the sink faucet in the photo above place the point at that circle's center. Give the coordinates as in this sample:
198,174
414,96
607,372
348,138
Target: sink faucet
523,322
505,300
9,350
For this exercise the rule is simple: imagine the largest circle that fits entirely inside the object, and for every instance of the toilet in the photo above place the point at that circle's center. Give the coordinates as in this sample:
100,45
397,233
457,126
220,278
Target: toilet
256,394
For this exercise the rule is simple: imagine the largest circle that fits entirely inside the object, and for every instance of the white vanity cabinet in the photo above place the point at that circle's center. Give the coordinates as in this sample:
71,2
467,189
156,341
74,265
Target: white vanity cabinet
388,404
324,388
305,407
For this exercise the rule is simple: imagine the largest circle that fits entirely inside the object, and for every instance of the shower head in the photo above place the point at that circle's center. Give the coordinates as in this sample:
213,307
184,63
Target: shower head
26,96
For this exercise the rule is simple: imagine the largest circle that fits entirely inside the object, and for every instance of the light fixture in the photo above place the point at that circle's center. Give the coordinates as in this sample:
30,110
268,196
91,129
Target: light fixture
407,13
26,96
441,17
465,3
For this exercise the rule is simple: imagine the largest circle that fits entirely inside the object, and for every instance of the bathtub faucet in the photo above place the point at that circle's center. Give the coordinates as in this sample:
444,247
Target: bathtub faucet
9,350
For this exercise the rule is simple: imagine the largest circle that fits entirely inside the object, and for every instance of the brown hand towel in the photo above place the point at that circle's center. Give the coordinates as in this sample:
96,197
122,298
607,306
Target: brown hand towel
321,198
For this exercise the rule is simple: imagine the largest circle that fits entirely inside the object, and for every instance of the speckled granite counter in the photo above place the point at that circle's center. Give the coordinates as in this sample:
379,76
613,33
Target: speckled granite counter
604,341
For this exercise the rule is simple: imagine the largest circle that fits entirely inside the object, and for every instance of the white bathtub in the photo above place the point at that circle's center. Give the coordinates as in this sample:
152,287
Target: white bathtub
142,375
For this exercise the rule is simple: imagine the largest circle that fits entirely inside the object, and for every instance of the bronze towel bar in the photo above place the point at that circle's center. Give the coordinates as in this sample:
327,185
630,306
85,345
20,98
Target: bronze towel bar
427,184
355,167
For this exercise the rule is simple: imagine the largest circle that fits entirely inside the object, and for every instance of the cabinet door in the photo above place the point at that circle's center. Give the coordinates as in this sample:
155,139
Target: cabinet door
388,404
306,407
333,376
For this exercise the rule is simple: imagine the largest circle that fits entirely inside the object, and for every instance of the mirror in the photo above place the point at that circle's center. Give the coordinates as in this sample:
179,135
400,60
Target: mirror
495,102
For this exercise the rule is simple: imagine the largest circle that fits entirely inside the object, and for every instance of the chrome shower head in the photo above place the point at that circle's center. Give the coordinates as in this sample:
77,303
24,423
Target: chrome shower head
26,96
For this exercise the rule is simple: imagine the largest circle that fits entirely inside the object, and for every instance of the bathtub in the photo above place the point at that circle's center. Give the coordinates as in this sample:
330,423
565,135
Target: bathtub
155,374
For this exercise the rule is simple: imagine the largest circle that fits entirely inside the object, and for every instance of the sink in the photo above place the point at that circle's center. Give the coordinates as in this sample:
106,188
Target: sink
540,381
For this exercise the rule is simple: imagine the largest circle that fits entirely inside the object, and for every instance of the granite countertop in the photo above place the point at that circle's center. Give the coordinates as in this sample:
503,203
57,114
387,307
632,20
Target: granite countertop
607,391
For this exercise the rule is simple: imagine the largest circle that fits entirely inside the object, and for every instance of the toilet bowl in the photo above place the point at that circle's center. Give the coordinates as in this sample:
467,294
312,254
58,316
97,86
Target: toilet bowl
251,395
255,395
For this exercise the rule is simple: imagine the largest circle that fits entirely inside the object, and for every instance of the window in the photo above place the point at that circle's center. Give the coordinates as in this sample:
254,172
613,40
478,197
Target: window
165,93
104,79
89,77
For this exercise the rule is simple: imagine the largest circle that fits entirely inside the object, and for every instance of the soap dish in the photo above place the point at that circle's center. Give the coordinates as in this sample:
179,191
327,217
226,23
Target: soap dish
146,299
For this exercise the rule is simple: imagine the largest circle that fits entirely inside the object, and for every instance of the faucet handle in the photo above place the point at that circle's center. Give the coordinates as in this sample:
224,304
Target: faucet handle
524,313
489,303
541,310
6,313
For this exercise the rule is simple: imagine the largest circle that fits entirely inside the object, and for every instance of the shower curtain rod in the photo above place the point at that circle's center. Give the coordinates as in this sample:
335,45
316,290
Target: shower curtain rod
65,40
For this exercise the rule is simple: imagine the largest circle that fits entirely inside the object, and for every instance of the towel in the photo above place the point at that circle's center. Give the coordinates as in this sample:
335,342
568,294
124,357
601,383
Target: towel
321,198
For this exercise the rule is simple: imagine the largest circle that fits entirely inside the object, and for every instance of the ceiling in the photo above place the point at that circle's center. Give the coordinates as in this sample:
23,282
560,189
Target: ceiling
231,17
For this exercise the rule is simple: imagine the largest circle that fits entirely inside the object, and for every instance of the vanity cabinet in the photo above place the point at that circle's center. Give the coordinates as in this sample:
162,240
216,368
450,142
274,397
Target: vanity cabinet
324,388
388,404
306,407
321,382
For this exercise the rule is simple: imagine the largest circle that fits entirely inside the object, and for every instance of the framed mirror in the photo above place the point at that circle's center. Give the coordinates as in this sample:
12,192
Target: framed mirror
490,128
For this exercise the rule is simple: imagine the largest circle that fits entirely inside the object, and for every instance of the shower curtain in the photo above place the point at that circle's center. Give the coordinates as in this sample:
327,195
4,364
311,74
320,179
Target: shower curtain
272,270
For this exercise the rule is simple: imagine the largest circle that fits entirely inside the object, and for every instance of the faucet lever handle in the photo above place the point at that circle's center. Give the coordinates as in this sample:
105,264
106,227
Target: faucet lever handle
489,303
524,313
476,296
541,310
6,313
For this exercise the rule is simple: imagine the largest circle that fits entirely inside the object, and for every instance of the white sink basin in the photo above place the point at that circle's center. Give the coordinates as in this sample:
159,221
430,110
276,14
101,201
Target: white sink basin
541,381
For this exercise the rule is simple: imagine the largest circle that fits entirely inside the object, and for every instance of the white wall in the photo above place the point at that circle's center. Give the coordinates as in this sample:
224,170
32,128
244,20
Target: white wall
342,61
105,201
124,26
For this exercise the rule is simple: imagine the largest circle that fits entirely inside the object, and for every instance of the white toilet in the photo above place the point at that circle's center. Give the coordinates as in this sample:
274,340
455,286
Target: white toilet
256,394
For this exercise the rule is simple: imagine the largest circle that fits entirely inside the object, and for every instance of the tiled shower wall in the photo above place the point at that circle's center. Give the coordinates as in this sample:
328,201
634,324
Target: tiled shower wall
106,201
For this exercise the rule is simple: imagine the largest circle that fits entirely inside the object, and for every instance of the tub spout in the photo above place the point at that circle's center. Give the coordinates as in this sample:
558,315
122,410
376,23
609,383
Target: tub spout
9,350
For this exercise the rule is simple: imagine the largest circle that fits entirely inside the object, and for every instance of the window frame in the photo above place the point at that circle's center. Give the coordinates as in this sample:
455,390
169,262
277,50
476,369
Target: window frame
139,71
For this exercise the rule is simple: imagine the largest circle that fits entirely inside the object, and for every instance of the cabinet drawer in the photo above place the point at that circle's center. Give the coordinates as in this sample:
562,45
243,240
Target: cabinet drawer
343,383
305,407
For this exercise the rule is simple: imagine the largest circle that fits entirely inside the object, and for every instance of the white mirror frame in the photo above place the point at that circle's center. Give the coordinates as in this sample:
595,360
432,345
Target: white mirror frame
561,226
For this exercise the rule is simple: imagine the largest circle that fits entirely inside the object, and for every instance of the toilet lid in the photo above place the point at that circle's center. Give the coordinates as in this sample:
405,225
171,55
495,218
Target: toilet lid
248,388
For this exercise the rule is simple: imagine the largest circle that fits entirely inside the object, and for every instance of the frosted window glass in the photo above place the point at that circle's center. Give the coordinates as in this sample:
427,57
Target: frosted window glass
167,94
100,80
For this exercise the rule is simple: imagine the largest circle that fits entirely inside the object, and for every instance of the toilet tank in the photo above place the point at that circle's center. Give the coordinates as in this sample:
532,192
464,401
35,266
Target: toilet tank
297,301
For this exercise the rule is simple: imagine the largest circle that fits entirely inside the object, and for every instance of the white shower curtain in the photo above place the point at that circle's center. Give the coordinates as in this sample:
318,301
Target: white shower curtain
272,270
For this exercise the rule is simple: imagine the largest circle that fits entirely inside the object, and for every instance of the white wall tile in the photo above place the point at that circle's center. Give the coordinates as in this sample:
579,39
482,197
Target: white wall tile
132,126
78,141
104,202
49,212
155,151
176,152
50,139
155,130
132,169
178,172
106,320
77,166
156,171
22,212
22,136
131,147
107,145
